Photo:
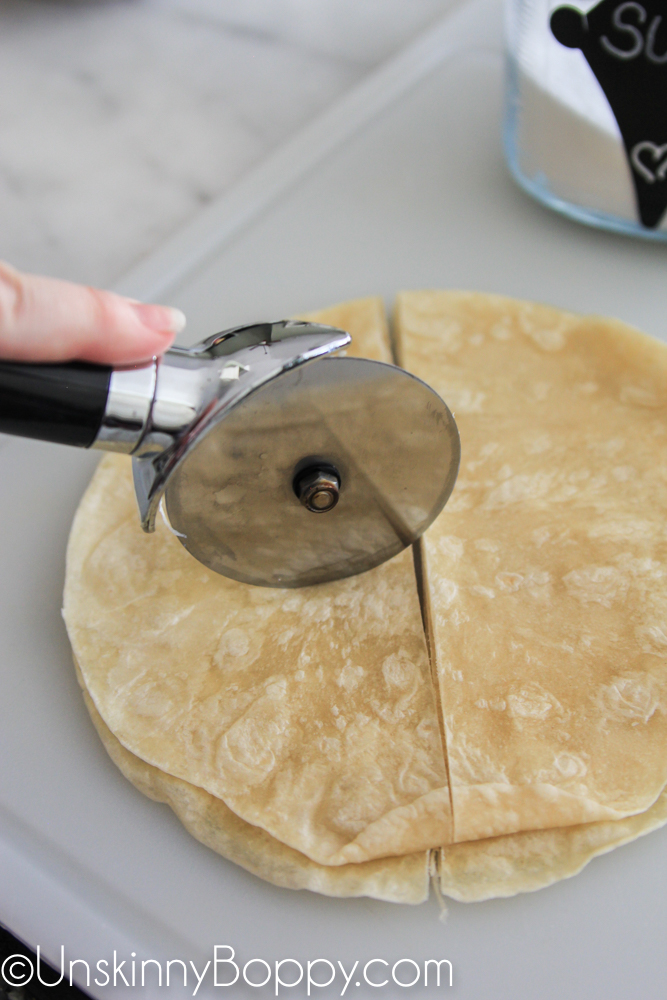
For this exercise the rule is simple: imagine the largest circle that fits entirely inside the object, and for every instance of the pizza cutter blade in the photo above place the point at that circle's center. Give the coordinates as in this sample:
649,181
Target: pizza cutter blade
271,462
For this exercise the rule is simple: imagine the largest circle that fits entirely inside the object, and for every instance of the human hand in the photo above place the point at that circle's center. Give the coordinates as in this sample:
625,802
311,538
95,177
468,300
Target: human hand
44,319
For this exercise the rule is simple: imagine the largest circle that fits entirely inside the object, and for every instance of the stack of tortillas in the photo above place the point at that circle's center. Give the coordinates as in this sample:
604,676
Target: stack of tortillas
309,736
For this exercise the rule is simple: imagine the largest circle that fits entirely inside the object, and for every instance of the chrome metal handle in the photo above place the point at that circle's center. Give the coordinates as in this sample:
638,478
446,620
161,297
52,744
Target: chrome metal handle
128,408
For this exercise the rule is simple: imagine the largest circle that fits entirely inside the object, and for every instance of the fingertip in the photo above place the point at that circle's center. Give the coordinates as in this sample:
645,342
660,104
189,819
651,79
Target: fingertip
140,331
179,320
149,344
44,319
162,319
142,347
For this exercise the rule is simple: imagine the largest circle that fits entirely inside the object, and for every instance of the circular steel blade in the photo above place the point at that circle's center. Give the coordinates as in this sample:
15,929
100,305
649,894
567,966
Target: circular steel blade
391,438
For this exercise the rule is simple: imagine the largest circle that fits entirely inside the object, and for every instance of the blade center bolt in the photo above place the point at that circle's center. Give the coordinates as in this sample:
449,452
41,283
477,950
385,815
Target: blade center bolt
318,488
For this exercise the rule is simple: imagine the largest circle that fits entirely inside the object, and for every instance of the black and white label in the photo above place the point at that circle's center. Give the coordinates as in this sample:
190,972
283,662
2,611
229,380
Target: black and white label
625,44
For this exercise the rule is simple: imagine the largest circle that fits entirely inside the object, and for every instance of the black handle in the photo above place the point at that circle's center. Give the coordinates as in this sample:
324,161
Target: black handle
53,402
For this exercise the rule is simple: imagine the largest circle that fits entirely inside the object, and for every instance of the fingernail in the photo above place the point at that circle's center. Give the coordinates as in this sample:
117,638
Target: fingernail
161,318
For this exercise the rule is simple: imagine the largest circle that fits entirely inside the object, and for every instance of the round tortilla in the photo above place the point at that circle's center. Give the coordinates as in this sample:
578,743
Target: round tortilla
507,722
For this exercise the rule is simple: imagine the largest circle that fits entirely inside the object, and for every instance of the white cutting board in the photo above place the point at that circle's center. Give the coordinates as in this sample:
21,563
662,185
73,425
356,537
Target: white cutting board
402,185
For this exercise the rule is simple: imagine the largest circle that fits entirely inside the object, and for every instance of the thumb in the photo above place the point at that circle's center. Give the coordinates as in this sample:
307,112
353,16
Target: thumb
43,319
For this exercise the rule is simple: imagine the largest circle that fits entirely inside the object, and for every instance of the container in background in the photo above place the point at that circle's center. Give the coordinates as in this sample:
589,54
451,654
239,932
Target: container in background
586,112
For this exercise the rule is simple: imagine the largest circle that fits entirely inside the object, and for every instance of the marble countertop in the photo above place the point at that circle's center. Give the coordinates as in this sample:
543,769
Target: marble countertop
120,119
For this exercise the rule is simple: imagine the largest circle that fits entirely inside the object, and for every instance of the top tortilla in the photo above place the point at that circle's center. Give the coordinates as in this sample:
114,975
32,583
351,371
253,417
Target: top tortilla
545,574
553,711
310,713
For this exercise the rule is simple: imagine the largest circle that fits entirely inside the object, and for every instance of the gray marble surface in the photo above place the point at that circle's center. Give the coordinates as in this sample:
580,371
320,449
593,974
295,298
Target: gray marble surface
120,119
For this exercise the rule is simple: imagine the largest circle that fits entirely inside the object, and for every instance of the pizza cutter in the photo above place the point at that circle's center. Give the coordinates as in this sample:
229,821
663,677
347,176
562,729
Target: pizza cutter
272,462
